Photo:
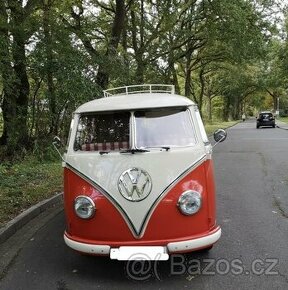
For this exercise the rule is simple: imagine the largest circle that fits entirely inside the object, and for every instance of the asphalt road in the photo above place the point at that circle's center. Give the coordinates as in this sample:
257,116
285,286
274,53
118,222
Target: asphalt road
252,185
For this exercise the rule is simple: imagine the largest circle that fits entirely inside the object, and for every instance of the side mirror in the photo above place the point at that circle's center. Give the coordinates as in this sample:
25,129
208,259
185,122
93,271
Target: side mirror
57,144
220,135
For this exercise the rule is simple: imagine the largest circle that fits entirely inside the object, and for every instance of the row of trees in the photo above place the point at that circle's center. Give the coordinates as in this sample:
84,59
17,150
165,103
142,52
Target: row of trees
54,55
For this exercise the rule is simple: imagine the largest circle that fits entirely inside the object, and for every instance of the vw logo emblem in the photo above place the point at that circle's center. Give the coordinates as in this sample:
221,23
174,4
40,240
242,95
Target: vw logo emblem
135,184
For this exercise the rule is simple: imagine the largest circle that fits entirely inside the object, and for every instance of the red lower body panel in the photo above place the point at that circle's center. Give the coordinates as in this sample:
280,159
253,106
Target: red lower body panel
165,225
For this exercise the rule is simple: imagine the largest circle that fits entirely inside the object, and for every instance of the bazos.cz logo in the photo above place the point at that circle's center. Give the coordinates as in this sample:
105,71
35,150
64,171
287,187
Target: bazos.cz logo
146,269
209,266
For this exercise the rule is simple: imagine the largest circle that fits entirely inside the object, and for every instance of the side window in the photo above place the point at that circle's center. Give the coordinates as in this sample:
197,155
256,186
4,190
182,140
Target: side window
97,132
201,127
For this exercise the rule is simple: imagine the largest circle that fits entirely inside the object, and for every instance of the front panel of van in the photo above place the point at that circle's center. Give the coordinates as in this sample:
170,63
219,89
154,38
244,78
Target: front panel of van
136,168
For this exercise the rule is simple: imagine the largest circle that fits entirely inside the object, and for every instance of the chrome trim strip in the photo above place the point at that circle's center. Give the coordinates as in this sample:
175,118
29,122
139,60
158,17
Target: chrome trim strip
140,233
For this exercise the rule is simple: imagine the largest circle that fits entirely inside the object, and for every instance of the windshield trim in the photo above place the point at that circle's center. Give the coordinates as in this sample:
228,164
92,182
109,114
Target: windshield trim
133,132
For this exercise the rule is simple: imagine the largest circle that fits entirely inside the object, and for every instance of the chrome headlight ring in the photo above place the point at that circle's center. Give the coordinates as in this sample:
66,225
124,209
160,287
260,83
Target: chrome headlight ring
190,202
84,207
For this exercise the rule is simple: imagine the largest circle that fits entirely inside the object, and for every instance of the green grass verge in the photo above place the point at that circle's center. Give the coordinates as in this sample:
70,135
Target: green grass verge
211,127
25,184
284,119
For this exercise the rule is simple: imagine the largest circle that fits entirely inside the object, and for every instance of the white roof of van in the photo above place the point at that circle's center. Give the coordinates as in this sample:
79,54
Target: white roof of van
134,102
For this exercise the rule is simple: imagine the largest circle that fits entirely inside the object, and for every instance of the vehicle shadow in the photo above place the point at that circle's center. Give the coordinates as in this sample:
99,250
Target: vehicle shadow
103,270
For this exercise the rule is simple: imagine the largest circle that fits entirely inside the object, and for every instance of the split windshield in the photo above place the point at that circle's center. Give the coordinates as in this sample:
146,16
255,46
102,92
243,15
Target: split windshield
151,129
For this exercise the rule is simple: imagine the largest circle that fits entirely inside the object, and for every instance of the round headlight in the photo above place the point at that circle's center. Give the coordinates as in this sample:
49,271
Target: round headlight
84,207
189,202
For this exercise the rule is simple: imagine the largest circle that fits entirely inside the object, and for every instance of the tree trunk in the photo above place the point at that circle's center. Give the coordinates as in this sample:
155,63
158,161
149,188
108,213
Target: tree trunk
188,72
226,110
172,73
275,95
6,70
125,48
15,80
210,108
47,5
202,83
138,47
33,107
139,77
236,109
116,31
19,133
275,101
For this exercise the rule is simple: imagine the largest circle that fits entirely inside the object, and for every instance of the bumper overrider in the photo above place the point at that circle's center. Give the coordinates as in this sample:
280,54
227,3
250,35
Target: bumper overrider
146,252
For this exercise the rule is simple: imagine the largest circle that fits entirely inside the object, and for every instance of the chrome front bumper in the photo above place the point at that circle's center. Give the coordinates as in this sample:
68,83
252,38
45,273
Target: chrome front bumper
133,253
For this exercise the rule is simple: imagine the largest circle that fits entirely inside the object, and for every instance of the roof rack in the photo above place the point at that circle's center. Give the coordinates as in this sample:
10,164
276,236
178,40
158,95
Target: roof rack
140,89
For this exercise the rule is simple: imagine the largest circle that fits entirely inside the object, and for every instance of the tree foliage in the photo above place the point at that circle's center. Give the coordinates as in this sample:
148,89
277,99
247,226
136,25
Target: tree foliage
55,55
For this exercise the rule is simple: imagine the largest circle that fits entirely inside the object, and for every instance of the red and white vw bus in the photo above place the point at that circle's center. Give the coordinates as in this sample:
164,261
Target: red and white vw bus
138,176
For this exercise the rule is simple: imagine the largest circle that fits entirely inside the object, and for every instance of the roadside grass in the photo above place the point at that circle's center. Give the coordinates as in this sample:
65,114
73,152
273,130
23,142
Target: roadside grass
284,119
211,127
27,182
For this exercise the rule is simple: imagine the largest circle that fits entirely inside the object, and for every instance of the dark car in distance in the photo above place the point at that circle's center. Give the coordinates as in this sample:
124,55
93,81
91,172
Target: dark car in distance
265,119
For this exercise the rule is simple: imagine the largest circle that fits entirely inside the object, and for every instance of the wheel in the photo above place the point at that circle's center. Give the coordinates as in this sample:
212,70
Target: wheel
257,127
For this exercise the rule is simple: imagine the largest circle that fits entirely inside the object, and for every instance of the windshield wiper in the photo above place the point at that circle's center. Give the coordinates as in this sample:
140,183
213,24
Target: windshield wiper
160,147
103,152
135,150
165,147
